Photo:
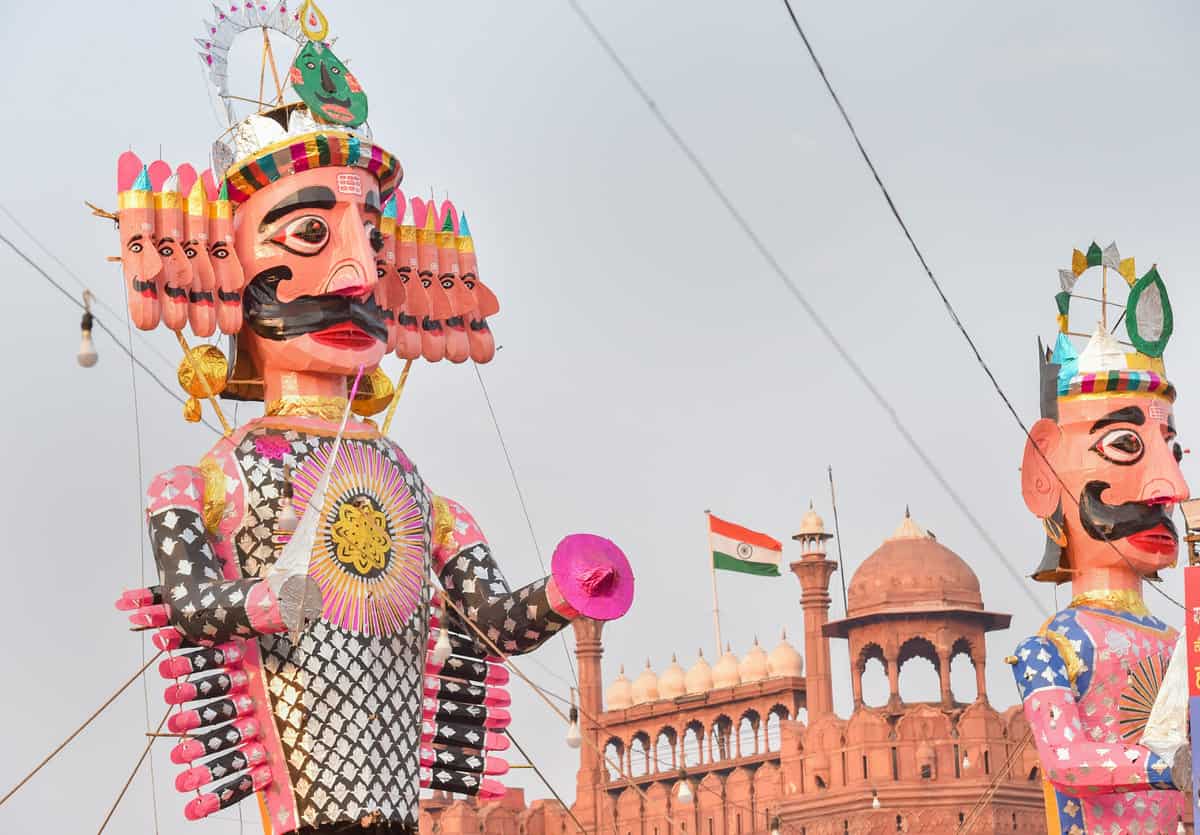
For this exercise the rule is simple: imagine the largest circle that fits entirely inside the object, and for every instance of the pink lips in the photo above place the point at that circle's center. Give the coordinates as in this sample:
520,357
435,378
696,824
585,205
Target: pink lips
1157,540
345,335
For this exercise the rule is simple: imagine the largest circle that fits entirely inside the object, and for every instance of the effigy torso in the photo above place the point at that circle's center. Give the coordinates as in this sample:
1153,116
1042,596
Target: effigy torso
339,717
347,700
1089,680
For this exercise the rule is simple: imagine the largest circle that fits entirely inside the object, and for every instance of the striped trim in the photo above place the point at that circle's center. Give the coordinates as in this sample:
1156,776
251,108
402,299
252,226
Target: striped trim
315,150
1127,381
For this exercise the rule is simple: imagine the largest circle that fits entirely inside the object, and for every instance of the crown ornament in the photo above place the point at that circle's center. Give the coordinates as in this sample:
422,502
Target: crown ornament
1108,365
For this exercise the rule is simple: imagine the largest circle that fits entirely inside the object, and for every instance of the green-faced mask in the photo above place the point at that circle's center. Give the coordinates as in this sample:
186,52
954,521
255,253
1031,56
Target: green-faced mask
331,92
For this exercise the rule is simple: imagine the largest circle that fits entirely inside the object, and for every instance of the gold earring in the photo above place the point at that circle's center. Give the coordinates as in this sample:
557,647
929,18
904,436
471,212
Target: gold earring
1054,532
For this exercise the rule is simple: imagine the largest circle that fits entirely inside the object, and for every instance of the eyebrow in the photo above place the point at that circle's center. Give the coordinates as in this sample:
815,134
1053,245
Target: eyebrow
310,197
1129,414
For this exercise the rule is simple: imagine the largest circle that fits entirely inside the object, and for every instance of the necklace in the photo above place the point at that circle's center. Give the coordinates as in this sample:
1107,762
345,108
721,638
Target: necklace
1117,600
304,405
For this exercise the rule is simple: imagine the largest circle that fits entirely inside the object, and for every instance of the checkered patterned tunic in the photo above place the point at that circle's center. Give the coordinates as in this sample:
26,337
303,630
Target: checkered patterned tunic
1087,681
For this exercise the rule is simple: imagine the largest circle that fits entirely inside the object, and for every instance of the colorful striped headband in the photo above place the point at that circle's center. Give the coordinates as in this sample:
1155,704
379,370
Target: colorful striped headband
313,150
1117,382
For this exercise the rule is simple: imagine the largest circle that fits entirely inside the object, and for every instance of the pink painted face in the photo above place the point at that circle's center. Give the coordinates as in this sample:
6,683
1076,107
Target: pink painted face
308,244
1118,456
227,269
140,263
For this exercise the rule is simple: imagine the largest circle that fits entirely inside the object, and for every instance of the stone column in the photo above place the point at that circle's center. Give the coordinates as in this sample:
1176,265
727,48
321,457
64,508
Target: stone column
943,665
980,680
893,673
589,779
814,571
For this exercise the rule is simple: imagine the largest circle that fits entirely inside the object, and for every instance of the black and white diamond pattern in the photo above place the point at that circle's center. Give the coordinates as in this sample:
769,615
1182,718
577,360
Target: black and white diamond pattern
347,706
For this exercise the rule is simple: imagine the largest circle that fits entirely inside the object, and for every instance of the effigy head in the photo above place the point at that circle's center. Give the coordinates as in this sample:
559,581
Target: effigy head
1101,467
308,243
329,89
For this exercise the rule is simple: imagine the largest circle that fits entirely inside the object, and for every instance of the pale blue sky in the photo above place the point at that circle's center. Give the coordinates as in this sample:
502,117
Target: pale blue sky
652,365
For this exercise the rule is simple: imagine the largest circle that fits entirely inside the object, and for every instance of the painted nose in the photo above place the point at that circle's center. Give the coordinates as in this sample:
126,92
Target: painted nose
327,80
354,270
1164,491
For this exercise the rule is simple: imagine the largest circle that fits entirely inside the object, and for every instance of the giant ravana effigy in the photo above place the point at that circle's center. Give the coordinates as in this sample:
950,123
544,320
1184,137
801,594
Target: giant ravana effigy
313,659
1101,470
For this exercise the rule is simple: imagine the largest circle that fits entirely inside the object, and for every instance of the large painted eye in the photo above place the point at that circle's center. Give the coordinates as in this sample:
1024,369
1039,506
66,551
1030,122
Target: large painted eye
189,251
380,272
310,65
220,251
1177,451
135,247
335,70
374,236
165,251
305,235
1120,446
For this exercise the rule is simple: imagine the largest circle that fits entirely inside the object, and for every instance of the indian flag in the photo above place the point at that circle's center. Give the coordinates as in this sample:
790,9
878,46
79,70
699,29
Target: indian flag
735,548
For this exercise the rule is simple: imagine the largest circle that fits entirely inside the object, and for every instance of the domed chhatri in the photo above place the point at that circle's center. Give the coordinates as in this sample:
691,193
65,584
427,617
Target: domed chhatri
645,686
912,571
784,660
725,673
699,678
754,665
672,684
812,536
619,694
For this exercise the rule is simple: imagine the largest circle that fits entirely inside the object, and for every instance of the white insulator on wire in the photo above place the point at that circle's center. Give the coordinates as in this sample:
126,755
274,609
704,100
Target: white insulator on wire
574,737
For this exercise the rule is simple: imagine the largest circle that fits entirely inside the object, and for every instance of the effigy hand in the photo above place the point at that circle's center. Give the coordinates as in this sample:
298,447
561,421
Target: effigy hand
592,576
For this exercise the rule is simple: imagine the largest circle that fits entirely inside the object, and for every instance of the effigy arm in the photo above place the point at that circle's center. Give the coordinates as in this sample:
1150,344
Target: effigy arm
516,621
589,577
197,599
1073,763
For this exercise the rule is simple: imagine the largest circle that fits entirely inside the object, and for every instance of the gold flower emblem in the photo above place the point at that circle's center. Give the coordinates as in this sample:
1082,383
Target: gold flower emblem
361,536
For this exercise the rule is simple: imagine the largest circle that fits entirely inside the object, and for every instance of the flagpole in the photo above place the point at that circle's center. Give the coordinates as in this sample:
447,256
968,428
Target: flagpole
716,608
838,534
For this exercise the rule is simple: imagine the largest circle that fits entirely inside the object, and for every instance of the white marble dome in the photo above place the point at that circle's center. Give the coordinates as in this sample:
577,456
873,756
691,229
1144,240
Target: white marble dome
784,660
619,694
699,678
754,665
672,683
645,686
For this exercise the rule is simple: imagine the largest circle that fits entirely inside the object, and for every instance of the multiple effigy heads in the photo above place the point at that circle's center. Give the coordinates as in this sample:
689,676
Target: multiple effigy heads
300,246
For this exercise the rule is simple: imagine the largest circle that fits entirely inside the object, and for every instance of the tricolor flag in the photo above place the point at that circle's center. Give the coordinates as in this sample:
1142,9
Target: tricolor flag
735,548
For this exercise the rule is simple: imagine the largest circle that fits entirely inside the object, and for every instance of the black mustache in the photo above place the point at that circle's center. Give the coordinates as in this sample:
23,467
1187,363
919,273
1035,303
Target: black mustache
1105,521
272,319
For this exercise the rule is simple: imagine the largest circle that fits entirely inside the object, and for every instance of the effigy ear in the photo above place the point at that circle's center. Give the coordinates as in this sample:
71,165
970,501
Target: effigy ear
202,312
227,270
1040,487
168,238
140,262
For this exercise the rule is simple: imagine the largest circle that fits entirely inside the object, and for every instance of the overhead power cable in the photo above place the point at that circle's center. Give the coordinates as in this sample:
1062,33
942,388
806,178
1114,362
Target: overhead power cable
512,471
958,323
100,323
793,289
